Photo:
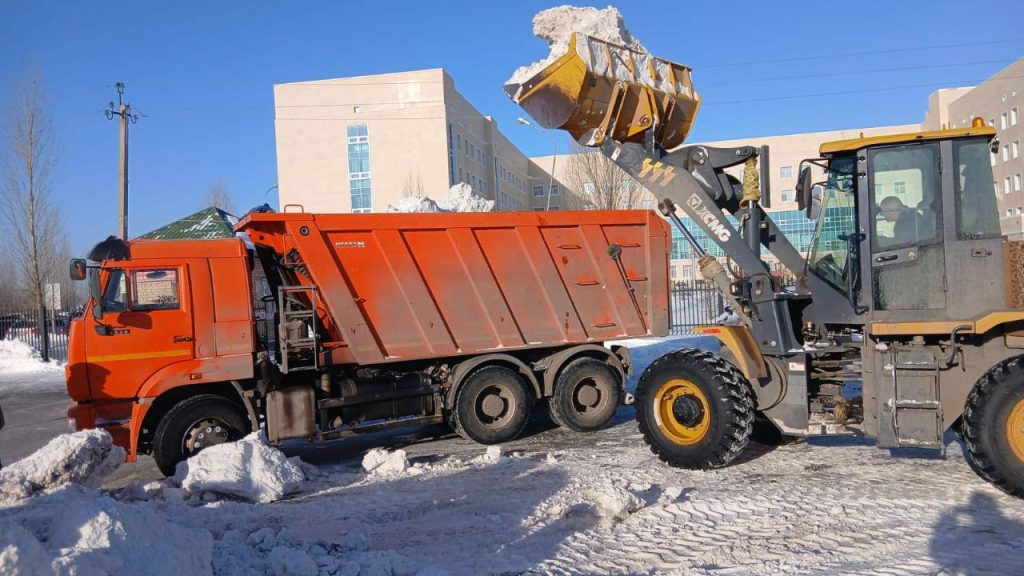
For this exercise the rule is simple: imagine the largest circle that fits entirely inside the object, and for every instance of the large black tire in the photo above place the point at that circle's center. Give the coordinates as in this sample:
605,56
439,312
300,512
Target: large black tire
695,410
492,405
993,426
587,395
186,418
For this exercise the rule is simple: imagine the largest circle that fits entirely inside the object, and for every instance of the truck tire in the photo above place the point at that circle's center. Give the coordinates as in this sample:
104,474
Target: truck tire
492,405
694,409
587,395
993,426
194,424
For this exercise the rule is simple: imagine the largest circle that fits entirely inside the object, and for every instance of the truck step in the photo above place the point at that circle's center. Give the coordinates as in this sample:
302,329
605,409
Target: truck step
919,404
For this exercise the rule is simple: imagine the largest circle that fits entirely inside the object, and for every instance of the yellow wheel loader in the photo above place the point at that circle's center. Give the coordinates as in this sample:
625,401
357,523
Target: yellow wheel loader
907,316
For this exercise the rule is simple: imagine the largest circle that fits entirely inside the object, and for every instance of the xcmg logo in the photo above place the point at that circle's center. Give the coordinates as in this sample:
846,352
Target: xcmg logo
720,230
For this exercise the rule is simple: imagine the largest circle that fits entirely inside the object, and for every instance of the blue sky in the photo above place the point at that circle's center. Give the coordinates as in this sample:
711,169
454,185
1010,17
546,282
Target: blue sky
202,73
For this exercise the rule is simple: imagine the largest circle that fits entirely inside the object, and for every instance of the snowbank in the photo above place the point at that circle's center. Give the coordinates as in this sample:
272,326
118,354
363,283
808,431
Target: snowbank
20,552
18,357
381,461
247,469
85,458
459,198
556,25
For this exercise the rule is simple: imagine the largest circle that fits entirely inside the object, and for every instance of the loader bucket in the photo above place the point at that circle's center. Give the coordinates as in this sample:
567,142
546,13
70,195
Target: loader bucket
598,90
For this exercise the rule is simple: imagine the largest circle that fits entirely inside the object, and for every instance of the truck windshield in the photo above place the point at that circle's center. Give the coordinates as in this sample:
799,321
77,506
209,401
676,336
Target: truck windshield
828,252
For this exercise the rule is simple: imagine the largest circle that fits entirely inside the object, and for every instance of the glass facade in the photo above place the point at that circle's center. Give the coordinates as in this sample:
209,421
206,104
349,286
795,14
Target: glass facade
359,168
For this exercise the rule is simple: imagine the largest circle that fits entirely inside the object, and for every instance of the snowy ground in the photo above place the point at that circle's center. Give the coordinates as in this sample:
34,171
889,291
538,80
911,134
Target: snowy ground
554,502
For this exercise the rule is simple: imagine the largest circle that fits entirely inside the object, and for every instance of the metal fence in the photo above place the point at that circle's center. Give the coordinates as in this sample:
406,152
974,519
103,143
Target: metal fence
694,304
45,331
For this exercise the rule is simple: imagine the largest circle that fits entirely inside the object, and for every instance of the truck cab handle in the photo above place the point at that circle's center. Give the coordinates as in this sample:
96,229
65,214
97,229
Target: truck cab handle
183,338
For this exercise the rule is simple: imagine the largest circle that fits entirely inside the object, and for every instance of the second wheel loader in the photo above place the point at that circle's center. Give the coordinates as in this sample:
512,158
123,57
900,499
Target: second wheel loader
906,319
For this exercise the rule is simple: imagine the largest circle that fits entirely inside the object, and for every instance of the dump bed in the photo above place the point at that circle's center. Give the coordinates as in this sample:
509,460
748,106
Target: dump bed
395,287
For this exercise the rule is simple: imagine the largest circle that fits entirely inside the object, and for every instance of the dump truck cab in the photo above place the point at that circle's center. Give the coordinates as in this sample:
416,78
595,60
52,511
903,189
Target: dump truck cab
165,317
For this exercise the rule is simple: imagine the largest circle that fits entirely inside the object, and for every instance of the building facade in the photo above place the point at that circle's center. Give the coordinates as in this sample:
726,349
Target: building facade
360,144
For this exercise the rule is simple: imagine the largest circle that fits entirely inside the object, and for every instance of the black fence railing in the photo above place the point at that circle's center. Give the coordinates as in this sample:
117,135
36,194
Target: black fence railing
45,331
694,304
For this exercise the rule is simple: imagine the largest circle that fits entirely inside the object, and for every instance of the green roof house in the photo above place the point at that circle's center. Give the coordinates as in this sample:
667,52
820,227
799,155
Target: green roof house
206,224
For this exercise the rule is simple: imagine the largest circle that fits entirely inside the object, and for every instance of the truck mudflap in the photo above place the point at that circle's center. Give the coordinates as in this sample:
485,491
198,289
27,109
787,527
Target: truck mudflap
598,90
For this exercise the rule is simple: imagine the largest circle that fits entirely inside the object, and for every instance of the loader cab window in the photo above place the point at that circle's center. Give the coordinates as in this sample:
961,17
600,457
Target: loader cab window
837,220
906,196
976,211
115,297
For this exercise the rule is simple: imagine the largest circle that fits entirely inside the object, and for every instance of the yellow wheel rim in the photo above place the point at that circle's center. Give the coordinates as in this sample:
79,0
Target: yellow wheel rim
695,423
1015,430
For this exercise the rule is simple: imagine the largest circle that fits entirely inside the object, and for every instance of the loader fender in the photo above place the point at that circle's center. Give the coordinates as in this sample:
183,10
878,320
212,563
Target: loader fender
740,342
463,369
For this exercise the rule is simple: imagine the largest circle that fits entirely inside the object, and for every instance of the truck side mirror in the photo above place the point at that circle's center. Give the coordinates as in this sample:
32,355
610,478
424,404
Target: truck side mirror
77,269
803,189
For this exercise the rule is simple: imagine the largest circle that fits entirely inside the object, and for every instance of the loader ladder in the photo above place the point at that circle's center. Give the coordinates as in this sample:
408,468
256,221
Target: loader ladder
916,405
297,320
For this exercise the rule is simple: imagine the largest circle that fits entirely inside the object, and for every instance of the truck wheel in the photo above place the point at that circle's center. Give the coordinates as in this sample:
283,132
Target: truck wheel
491,406
194,424
587,394
694,409
993,426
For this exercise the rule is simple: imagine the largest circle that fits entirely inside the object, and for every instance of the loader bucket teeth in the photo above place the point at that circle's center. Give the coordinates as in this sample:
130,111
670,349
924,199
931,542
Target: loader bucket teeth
598,90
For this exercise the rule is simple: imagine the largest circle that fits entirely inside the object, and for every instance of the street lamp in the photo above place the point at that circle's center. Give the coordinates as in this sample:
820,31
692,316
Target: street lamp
266,196
554,157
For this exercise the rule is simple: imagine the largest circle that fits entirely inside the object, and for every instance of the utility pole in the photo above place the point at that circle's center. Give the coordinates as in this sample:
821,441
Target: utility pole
124,112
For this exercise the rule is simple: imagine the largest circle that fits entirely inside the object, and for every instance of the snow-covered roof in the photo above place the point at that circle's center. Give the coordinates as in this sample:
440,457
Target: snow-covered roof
207,224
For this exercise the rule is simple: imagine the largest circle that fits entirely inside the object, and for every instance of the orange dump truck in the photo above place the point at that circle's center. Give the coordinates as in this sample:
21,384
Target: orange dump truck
318,325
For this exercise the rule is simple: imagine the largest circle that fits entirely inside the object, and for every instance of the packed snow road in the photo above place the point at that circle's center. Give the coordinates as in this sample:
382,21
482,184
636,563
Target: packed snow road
552,502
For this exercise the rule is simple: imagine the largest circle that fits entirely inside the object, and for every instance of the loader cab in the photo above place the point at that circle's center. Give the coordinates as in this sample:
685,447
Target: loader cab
901,220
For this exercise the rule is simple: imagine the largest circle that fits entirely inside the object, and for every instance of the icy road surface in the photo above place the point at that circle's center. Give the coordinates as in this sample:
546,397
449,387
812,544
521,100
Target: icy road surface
559,502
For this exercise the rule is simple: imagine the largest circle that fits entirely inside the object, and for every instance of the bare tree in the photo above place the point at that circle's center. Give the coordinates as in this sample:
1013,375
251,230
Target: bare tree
598,184
217,195
30,157
413,186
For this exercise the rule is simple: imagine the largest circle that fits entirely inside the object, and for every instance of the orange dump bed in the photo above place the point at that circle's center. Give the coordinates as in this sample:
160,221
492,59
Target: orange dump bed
394,287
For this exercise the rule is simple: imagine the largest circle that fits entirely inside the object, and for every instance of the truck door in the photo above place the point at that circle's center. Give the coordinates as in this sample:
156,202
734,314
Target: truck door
907,260
144,324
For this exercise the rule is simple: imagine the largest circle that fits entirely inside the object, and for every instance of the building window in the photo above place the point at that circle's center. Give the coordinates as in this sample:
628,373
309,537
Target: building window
458,138
1006,152
994,157
554,189
788,196
1006,185
1016,182
554,206
451,156
899,189
992,122
1016,149
1009,212
359,168
786,172
672,271
588,190
627,185
1002,121
1013,117
538,191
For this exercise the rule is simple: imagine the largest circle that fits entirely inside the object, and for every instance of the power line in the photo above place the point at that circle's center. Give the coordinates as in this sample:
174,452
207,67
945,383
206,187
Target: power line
863,53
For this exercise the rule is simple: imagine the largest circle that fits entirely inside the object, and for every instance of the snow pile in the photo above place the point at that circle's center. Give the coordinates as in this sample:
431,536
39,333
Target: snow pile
95,534
18,357
246,469
381,461
414,205
556,25
613,503
493,455
459,198
20,552
85,458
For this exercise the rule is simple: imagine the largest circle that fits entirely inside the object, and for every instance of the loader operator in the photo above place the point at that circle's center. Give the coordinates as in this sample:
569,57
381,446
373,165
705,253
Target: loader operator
909,225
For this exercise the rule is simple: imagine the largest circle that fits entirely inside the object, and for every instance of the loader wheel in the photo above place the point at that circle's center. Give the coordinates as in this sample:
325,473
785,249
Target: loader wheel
492,405
694,409
194,424
587,394
993,426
